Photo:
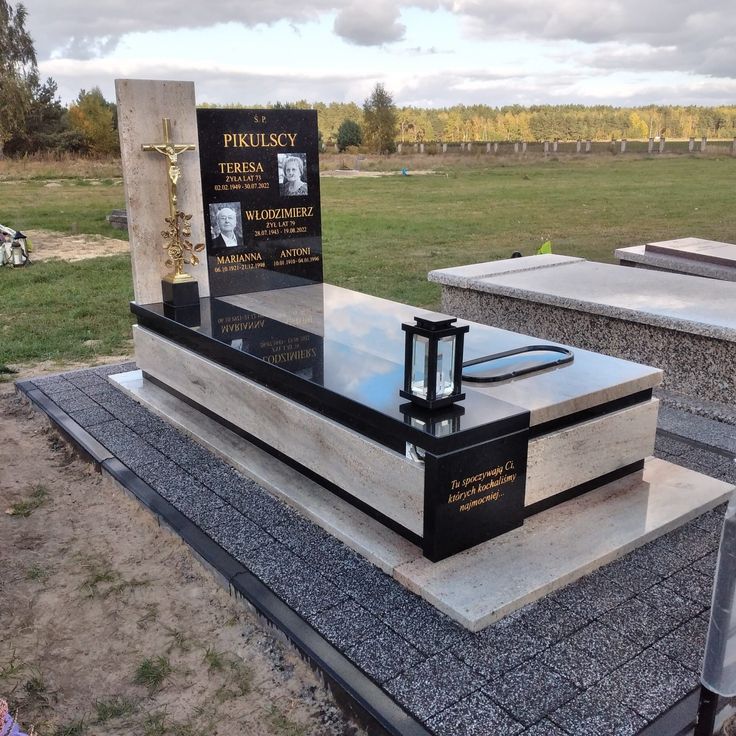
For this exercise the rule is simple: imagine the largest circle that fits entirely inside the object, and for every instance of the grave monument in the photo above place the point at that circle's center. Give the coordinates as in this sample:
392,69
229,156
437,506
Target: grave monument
312,374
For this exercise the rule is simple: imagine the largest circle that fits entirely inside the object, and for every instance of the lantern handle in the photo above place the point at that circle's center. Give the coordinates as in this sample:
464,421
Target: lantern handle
567,357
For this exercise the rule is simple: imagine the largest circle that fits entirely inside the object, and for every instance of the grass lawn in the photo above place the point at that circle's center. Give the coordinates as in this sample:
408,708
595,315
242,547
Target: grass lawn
380,235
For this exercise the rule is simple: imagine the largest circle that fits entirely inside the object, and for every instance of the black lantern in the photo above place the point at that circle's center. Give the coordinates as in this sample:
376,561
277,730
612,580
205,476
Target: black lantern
433,361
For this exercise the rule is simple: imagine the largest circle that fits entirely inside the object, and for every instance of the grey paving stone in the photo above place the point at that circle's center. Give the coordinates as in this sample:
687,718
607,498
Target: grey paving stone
168,479
86,379
591,714
660,556
604,644
384,655
136,417
234,533
201,507
577,665
712,520
109,370
639,622
694,584
93,415
476,715
648,684
531,691
73,400
308,594
700,429
686,644
346,624
422,625
551,621
665,599
707,564
590,596
544,728
500,647
417,690
627,574
125,444
50,382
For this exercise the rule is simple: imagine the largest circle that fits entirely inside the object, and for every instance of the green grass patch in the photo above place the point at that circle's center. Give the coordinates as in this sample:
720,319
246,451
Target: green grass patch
381,235
58,205
152,672
59,311
37,498
111,708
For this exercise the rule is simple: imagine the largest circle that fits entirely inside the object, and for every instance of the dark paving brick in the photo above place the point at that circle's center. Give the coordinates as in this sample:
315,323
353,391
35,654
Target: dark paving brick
86,379
665,599
73,401
417,688
591,714
476,715
686,644
592,595
129,448
630,576
422,625
648,684
693,584
531,691
168,479
577,665
234,533
639,622
93,415
712,520
550,621
660,556
109,370
50,382
500,647
605,645
543,728
384,655
200,507
346,624
707,564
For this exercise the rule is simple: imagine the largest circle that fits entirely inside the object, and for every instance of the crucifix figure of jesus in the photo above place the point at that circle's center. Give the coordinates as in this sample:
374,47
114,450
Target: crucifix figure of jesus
171,151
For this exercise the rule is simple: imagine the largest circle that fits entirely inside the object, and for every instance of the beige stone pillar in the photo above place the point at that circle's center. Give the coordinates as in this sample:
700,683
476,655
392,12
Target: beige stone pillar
142,105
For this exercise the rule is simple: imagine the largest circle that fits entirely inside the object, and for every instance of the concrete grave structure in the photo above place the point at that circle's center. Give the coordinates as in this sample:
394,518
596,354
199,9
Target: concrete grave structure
685,325
693,256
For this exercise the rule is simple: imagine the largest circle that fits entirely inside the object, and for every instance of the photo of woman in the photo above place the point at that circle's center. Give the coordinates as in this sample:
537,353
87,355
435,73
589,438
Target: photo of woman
291,174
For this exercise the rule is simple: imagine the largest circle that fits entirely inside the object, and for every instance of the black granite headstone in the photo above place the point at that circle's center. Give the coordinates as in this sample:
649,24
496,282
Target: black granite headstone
260,185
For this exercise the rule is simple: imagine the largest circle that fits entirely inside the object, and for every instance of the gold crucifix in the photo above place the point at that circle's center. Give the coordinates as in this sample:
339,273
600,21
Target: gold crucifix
179,228
171,151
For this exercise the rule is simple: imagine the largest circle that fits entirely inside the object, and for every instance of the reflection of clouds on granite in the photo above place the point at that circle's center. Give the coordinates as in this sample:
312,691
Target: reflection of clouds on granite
360,376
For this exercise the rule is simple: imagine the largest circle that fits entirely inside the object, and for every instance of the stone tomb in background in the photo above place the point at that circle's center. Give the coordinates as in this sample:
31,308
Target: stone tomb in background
310,373
692,256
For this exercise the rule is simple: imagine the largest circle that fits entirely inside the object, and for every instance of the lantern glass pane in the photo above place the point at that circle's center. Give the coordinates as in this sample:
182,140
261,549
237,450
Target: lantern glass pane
445,366
419,365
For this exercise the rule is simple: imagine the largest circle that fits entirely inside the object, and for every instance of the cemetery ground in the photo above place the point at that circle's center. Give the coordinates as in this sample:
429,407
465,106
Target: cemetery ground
86,565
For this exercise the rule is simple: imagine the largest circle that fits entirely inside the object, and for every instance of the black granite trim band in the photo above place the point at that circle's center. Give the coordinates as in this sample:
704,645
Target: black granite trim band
593,412
697,443
369,696
303,469
369,699
548,503
89,446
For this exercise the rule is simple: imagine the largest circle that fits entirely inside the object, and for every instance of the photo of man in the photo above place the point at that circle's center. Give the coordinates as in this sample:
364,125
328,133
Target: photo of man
292,174
226,225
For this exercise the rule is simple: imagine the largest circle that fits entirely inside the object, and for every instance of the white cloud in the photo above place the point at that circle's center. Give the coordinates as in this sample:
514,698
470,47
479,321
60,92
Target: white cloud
369,23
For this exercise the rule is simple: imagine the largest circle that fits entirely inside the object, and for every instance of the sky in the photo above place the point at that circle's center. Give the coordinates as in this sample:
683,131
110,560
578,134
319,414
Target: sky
428,53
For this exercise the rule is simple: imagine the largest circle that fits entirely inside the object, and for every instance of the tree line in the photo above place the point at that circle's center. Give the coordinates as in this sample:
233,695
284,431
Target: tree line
33,120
